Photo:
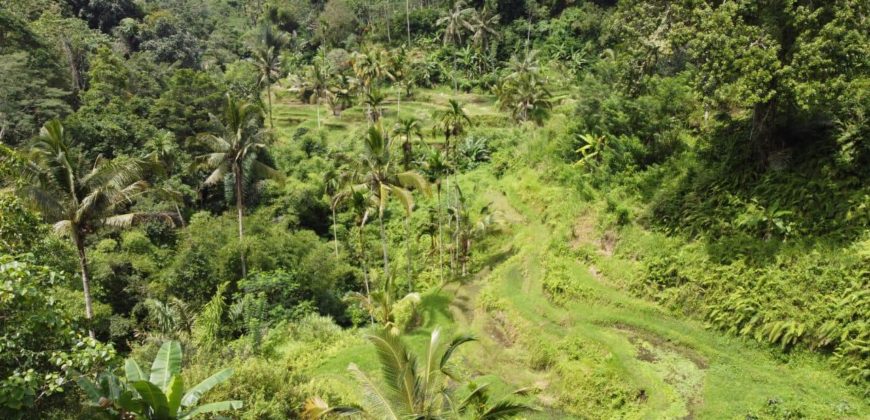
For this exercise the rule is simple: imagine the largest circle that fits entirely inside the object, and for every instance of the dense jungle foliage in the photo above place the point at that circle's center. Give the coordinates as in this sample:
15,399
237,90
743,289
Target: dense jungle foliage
471,209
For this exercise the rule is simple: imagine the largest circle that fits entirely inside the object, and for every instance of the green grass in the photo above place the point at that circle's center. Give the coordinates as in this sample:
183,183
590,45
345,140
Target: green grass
595,351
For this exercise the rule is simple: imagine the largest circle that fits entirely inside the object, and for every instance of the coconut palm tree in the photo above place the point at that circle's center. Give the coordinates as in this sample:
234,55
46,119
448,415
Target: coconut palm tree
451,122
483,24
524,91
455,22
269,68
408,128
382,180
236,149
79,195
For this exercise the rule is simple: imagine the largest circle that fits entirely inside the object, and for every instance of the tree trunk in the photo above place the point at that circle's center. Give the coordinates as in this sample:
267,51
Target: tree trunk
86,278
440,236
384,245
240,208
408,152
409,255
362,253
269,94
408,20
317,104
334,231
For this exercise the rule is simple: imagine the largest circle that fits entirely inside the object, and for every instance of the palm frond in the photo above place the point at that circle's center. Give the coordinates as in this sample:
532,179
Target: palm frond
376,401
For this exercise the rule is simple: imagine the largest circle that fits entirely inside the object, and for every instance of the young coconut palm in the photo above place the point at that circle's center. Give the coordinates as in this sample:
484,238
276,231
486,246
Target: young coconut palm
418,386
236,149
78,195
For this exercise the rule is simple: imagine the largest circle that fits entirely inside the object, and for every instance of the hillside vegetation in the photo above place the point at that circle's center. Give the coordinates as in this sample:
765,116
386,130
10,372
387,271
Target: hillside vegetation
434,209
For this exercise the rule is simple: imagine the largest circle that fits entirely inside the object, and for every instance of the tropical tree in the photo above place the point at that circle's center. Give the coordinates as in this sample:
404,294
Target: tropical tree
380,304
437,167
408,128
317,77
524,91
158,395
451,122
236,150
362,202
373,100
79,195
420,387
468,229
269,69
455,22
483,25
339,93
382,180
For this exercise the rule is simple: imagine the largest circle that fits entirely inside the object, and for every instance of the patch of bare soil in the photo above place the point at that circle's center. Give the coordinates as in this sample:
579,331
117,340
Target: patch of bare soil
607,243
501,330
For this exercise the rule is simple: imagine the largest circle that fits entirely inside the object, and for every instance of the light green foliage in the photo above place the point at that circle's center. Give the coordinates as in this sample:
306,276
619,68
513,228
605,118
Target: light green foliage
40,343
161,395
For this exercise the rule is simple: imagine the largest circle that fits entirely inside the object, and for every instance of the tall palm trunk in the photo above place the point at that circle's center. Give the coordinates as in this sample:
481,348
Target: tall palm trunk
334,231
408,20
384,245
240,209
365,263
317,104
440,236
408,253
269,94
86,278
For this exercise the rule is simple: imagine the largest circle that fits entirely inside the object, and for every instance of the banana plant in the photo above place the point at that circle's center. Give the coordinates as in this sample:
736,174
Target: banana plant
159,395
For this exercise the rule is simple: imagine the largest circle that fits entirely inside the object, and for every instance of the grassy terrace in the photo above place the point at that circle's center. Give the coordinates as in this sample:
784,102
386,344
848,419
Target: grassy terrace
650,363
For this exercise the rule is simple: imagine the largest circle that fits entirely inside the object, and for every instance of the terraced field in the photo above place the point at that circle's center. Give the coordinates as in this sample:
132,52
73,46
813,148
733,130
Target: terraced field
551,308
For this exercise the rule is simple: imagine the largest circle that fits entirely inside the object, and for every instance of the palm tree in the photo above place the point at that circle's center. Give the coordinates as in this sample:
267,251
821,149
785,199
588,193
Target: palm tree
79,196
413,390
455,22
235,149
373,100
381,179
420,387
317,80
437,167
451,122
269,68
362,202
483,24
408,128
339,93
524,92
380,304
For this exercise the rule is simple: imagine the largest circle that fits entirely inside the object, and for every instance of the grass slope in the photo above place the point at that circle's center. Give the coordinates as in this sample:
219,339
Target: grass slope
550,307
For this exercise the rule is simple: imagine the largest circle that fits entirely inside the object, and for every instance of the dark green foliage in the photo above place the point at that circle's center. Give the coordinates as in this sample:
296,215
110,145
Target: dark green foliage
185,105
105,14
